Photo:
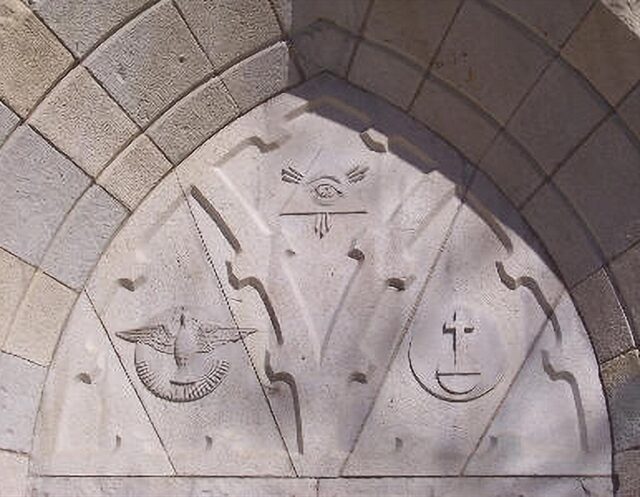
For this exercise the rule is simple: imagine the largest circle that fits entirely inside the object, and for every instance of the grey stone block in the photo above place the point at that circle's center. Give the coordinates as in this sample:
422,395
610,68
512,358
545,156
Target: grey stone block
558,113
629,111
83,121
384,73
603,316
8,122
193,119
83,236
38,188
31,58
150,63
322,46
480,49
602,180
621,379
14,474
627,469
625,272
229,30
298,14
15,276
81,25
20,386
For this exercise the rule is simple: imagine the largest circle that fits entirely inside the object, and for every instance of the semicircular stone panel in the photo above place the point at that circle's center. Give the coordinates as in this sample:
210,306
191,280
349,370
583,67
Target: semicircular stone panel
324,299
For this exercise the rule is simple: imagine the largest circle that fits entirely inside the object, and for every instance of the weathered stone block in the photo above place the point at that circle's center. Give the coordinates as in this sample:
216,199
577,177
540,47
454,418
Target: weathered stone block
150,63
626,466
20,386
8,122
193,119
322,46
13,468
38,188
83,121
298,14
625,272
83,236
39,319
629,111
134,172
14,280
31,57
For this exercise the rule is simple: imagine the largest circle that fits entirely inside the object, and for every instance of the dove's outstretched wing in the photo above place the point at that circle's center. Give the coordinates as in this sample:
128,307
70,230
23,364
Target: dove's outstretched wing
209,337
156,337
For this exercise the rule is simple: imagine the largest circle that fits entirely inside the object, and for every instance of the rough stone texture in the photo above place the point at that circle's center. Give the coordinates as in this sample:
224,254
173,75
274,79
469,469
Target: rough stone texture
83,237
604,317
621,379
298,14
20,386
629,111
39,319
626,467
261,76
551,19
560,230
558,113
380,71
81,25
134,172
14,280
38,188
628,11
193,119
229,30
454,118
150,63
512,168
412,27
481,48
606,51
8,122
14,469
602,180
324,47
31,57
625,272
80,119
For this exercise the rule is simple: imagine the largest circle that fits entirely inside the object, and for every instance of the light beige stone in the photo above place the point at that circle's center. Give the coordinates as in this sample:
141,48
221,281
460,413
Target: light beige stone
602,180
31,57
412,27
134,172
39,319
80,119
150,63
193,119
83,236
229,30
39,186
557,114
624,270
261,76
8,122
455,118
15,276
82,25
13,468
629,111
380,71
626,469
324,47
606,51
490,58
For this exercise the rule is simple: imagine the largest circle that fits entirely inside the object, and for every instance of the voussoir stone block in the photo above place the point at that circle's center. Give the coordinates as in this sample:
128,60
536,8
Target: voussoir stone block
83,236
606,51
382,72
490,58
14,280
603,315
298,14
411,27
81,25
629,111
602,180
621,379
261,76
13,472
563,234
20,386
558,113
39,319
83,121
38,188
626,465
228,30
134,172
8,121
193,119
454,118
150,63
31,57
625,272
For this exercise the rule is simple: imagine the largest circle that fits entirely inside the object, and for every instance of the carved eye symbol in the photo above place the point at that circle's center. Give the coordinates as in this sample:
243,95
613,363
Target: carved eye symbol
326,190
